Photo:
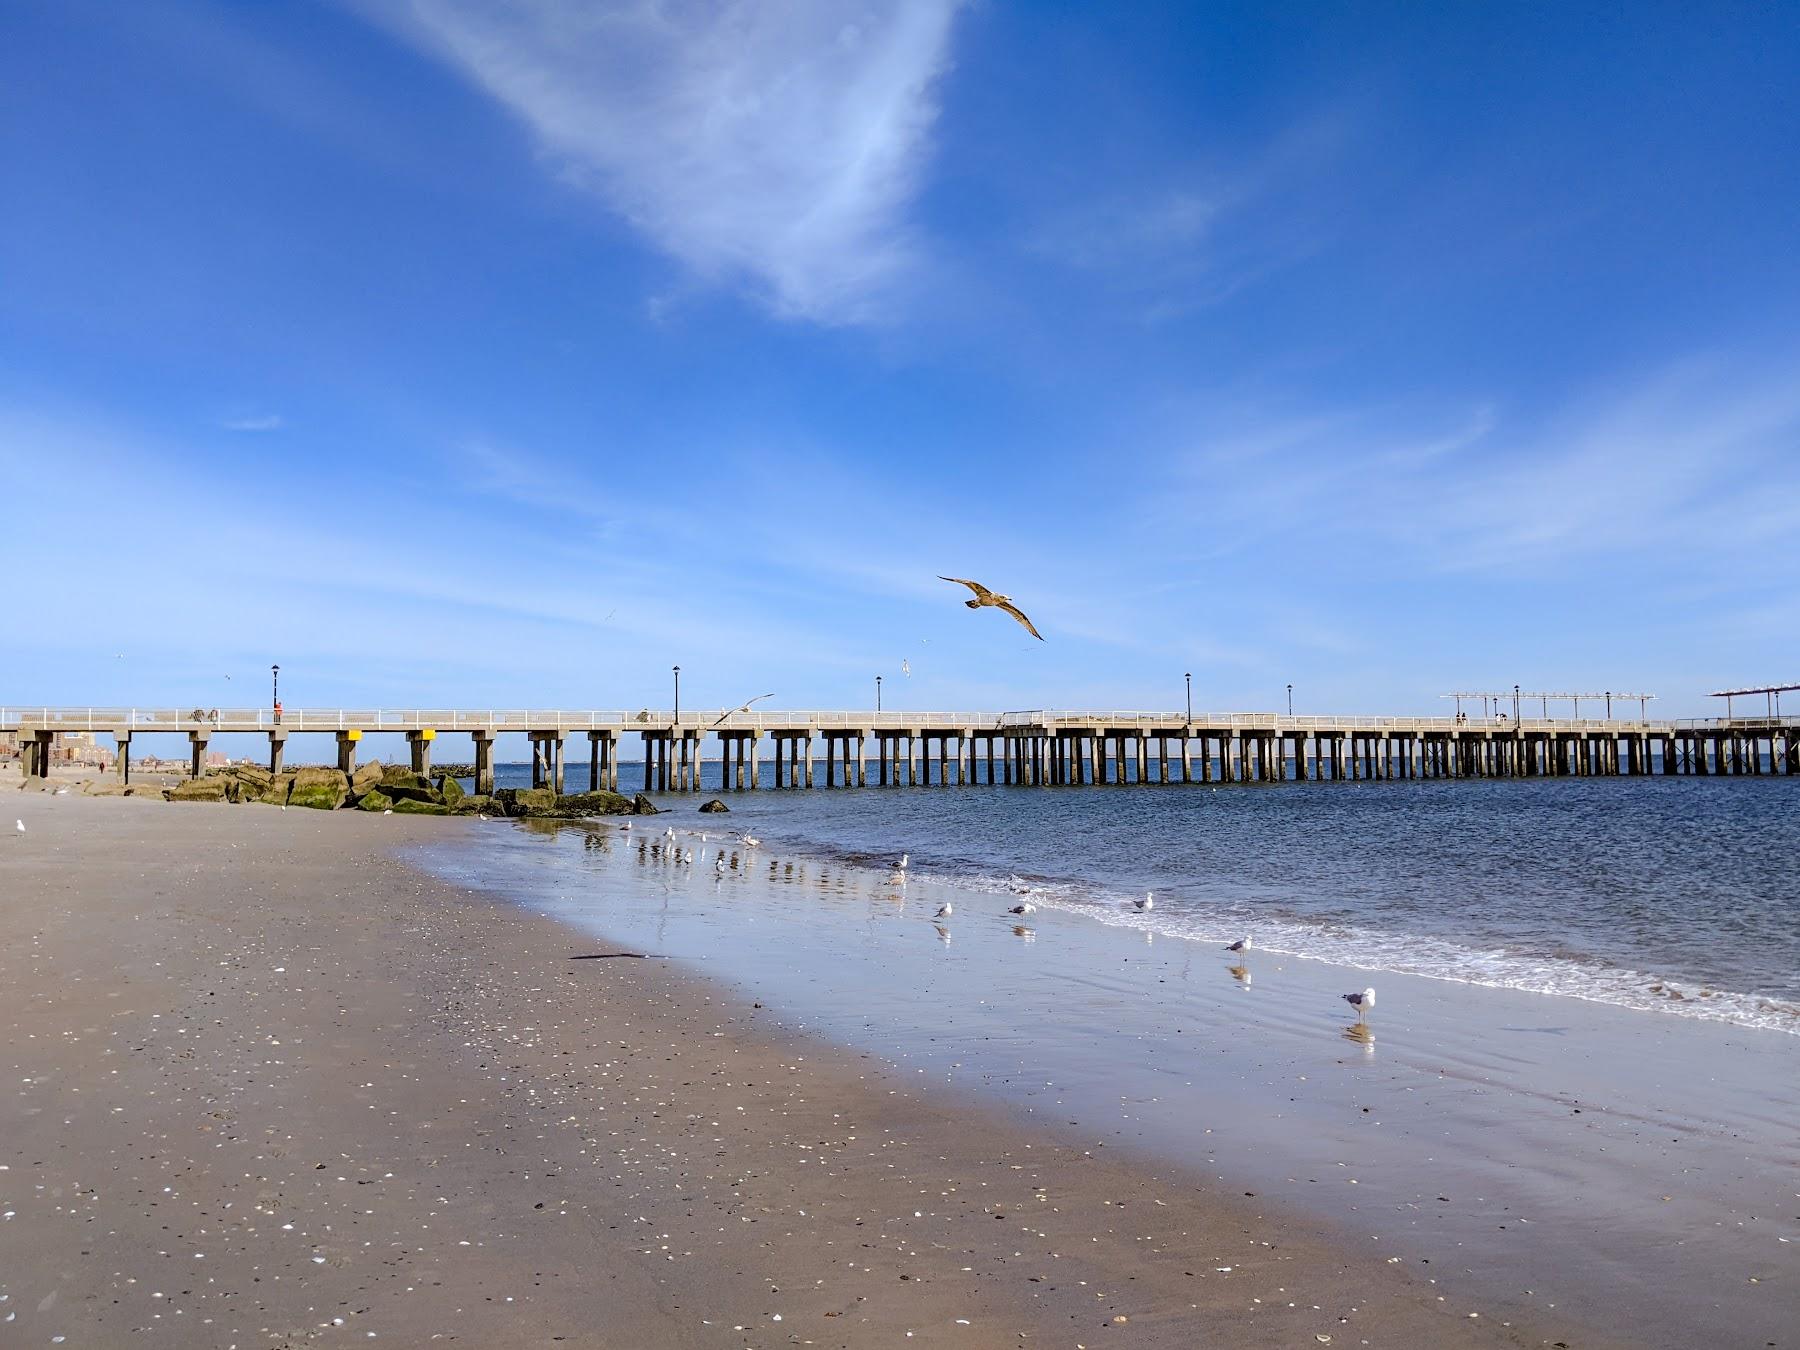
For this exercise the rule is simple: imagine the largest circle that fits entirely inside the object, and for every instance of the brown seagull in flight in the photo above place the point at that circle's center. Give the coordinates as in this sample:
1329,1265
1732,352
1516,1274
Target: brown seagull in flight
985,597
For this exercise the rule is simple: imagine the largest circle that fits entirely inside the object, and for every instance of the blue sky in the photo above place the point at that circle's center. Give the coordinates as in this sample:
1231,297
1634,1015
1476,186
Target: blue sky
454,354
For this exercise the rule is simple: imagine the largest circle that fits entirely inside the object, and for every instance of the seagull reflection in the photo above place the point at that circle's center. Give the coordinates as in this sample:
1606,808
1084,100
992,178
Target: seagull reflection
943,933
1241,974
1021,931
1363,1034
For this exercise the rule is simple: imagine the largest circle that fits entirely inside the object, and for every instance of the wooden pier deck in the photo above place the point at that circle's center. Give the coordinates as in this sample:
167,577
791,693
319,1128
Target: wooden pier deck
1029,748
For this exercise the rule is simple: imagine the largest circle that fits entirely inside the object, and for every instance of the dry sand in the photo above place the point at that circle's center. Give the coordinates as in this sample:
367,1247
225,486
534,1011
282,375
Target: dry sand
266,1086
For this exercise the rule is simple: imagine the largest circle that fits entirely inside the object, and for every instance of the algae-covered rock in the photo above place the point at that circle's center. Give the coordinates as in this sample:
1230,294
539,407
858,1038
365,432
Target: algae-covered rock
449,789
413,792
526,801
398,775
374,800
252,776
366,776
407,806
319,789
714,808
199,790
642,805
575,805
478,805
276,794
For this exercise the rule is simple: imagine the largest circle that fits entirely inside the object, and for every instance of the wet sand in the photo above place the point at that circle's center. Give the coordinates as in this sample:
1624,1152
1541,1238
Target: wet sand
1553,1160
269,1085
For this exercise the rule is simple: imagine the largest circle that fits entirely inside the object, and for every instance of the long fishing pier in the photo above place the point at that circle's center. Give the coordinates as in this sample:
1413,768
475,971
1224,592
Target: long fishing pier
1035,748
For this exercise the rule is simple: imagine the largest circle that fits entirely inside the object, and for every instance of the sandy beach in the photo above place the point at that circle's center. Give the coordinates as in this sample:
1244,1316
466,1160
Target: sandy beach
271,1086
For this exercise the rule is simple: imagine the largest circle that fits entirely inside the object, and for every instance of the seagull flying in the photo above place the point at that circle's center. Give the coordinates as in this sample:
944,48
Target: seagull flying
1026,908
985,597
1361,1002
906,668
1241,945
742,707
945,912
1147,903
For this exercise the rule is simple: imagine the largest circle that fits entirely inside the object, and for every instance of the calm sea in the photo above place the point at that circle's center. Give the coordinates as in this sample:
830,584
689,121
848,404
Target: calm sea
1681,895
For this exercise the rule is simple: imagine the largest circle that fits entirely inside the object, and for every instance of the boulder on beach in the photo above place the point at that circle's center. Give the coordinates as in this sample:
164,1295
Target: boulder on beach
714,808
198,790
543,804
574,805
276,794
367,776
374,800
319,789
252,776
413,792
449,789
411,806
526,801
478,804
641,805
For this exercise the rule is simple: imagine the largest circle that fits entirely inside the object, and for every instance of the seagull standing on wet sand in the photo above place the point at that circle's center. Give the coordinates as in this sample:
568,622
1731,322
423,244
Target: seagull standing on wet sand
1026,908
945,912
1361,1002
1146,904
989,599
1241,945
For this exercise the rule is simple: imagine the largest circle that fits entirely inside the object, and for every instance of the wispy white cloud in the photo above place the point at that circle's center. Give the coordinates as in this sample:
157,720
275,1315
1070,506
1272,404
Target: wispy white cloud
1692,461
254,422
1188,234
770,146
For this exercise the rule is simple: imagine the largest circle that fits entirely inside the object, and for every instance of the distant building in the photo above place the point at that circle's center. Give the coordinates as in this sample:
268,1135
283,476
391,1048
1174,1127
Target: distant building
80,748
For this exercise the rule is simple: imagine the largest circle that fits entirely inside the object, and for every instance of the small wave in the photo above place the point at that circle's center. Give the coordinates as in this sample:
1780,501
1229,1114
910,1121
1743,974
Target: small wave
1431,958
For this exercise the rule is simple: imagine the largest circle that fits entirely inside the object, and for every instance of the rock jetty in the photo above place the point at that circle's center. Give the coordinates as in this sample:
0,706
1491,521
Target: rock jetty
378,787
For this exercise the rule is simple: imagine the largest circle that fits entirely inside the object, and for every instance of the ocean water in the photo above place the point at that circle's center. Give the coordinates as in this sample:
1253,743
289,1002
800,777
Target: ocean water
1674,896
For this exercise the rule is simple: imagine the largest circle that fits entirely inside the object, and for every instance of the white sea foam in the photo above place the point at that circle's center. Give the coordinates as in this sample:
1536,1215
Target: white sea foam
1432,958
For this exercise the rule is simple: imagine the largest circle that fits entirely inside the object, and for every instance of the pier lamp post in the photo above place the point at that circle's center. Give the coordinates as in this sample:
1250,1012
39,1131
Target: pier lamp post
1515,707
878,693
275,689
1609,705
678,695
1189,677
1290,700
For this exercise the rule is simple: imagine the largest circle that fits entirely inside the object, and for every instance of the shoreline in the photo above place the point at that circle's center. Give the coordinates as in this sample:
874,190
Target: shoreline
1553,1160
377,1097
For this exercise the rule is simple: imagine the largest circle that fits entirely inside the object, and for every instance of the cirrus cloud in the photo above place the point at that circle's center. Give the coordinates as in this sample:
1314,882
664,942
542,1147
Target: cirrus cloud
771,147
